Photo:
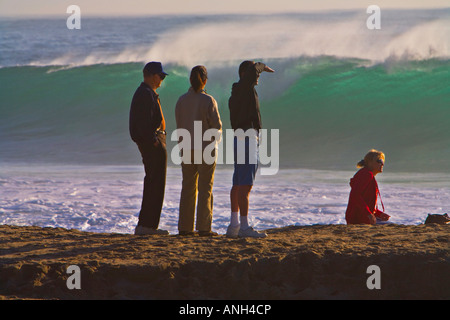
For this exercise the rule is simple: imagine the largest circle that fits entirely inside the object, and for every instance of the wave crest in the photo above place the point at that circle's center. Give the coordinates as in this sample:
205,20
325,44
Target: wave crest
274,38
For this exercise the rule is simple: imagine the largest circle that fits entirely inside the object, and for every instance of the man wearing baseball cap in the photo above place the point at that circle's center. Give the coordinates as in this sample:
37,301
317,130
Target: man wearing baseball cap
148,131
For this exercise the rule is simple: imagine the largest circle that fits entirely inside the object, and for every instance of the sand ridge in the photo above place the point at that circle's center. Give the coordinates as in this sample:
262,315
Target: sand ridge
294,262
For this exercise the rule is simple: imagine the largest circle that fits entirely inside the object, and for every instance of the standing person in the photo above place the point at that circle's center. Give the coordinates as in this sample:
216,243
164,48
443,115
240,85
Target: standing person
193,109
148,131
362,204
245,115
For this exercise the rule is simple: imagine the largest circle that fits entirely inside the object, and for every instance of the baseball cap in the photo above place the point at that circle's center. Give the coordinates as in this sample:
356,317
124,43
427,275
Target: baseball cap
154,68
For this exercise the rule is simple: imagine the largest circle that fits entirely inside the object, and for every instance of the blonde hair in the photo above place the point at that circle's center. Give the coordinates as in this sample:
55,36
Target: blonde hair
372,155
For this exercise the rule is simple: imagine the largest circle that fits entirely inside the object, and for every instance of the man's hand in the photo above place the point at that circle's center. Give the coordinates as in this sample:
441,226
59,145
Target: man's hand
268,69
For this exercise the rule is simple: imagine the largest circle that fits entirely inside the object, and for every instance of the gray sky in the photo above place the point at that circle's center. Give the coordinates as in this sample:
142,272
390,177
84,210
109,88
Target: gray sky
37,8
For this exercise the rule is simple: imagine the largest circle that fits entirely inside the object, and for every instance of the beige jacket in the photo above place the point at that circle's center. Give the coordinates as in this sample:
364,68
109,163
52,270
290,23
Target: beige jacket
198,112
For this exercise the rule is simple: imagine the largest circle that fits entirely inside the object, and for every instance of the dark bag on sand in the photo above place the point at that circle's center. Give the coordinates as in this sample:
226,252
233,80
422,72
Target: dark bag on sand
438,218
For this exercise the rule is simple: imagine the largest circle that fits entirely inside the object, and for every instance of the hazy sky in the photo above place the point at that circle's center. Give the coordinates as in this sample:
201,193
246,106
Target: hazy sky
38,8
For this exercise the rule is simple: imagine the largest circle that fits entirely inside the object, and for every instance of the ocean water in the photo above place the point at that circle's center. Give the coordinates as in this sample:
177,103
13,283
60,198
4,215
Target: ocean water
339,89
108,198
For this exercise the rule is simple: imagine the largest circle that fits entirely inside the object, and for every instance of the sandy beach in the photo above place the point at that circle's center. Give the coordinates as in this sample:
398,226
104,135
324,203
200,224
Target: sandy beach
295,262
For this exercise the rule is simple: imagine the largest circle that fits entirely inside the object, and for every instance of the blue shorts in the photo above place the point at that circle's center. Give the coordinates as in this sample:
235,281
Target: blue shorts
245,168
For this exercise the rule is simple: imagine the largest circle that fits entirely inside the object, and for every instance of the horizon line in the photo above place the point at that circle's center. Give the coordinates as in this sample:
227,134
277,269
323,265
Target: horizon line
169,14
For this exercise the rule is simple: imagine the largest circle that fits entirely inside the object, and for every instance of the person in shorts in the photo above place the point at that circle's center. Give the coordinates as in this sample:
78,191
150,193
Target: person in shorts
246,122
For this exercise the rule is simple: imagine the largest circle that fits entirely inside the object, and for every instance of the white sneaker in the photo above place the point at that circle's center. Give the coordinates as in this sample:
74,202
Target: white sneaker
232,231
140,230
250,233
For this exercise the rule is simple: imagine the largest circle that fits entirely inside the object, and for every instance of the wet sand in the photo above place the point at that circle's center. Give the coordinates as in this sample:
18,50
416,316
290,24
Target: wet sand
304,262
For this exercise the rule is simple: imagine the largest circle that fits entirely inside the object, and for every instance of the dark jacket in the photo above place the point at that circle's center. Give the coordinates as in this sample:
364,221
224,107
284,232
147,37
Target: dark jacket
244,103
145,115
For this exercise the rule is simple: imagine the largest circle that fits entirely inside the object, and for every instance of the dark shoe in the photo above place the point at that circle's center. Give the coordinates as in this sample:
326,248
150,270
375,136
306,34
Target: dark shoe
187,233
207,234
141,230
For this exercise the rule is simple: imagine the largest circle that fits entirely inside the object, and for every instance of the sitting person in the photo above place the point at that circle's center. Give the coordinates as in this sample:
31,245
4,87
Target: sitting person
362,204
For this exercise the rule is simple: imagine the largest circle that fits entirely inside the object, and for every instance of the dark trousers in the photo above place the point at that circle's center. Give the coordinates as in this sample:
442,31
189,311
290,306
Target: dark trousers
155,165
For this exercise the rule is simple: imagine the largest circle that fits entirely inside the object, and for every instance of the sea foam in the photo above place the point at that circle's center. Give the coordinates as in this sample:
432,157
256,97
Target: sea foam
108,198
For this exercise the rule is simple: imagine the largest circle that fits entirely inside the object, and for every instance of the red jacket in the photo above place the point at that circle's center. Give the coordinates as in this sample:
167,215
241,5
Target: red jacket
362,203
